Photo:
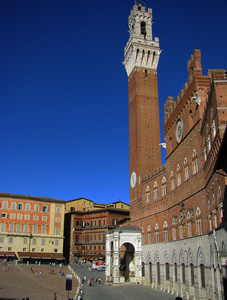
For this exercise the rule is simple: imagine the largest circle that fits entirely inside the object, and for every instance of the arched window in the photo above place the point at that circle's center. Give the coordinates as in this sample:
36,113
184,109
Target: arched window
150,272
158,273
202,275
167,271
183,272
143,269
192,274
175,271
143,28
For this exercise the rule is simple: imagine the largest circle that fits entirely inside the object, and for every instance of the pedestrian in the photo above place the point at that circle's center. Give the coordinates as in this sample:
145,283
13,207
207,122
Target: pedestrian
36,273
55,296
99,280
93,278
40,274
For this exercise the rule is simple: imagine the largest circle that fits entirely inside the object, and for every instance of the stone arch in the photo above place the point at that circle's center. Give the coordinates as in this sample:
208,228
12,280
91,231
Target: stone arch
149,259
190,257
200,259
156,257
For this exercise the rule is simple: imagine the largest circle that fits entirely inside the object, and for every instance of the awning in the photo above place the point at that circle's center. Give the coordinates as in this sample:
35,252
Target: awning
41,255
7,254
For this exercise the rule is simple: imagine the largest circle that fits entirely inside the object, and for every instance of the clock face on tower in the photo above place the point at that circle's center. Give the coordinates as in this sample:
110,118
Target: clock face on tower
179,130
133,179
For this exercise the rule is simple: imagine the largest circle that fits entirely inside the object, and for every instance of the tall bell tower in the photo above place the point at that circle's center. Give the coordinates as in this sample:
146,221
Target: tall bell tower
141,56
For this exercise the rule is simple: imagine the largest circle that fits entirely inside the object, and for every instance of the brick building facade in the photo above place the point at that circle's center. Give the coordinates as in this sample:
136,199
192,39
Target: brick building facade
179,205
85,228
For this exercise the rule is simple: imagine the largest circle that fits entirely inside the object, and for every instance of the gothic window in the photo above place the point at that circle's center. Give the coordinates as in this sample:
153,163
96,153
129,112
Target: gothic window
195,166
157,237
199,224
166,236
183,272
190,230
219,192
205,153
175,271
156,226
186,174
192,274
198,212
143,28
164,190
165,225
202,275
148,196
155,194
213,199
172,184
149,239
185,160
167,271
213,128
148,228
179,179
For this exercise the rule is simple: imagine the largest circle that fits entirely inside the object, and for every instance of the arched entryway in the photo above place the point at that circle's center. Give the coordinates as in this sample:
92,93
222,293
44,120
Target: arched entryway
127,261
123,255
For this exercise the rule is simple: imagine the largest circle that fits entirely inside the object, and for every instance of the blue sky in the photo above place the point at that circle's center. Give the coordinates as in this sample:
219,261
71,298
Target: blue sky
64,89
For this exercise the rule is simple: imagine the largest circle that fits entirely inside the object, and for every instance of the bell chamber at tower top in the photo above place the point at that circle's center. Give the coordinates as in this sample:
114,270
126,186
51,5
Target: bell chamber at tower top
141,50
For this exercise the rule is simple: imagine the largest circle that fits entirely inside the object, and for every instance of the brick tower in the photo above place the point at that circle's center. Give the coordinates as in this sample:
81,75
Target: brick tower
141,56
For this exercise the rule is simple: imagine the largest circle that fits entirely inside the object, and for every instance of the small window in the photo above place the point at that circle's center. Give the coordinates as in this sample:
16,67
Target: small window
19,216
28,207
13,205
143,27
33,249
3,227
20,206
19,227
57,219
5,205
45,208
9,248
27,217
35,218
12,216
24,249
35,228
56,242
4,215
36,207
44,218
43,229
26,228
